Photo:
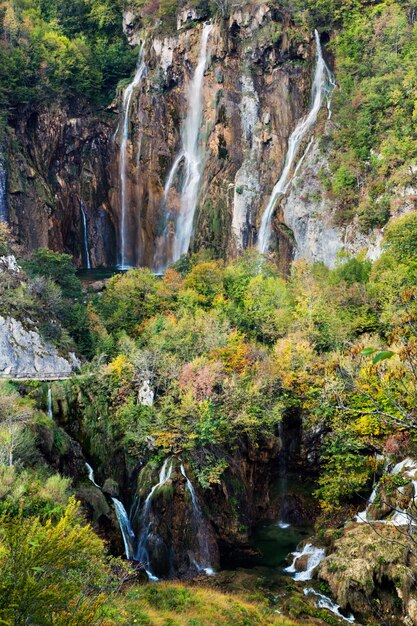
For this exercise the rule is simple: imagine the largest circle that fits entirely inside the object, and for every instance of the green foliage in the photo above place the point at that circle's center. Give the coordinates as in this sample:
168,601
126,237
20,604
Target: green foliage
54,49
51,573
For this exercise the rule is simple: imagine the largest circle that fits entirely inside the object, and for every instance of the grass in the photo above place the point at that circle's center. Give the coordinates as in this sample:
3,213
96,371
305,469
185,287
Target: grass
174,604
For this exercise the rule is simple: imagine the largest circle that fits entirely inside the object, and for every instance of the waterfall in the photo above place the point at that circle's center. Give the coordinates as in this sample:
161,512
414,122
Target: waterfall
190,156
122,517
125,528
282,477
141,551
198,527
314,557
124,153
323,602
4,213
91,475
50,412
87,254
399,517
323,84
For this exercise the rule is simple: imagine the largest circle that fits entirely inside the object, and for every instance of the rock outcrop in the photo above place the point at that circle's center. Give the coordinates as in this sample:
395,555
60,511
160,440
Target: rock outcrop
24,354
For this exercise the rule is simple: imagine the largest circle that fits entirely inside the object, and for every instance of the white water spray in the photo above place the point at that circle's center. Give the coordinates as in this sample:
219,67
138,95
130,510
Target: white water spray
87,254
323,84
191,155
203,565
314,556
124,153
323,602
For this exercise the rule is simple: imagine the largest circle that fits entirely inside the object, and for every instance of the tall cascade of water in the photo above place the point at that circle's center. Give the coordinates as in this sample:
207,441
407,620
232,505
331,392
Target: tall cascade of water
191,156
4,213
323,84
50,412
203,565
141,552
124,155
282,479
122,517
87,253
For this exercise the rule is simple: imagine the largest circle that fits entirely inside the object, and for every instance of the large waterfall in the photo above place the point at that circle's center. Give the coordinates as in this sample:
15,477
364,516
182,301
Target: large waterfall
4,213
124,157
190,158
87,254
322,85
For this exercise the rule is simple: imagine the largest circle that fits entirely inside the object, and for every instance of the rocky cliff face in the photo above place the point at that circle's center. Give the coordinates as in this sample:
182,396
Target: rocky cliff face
256,87
25,354
58,157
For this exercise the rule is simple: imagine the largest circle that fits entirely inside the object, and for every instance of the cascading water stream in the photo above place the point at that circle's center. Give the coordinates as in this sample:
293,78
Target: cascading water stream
124,155
141,552
87,253
282,479
125,528
122,517
191,155
203,565
313,556
323,84
323,602
4,213
50,411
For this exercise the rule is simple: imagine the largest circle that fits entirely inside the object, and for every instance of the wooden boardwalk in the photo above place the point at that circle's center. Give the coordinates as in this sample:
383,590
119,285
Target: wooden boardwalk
41,376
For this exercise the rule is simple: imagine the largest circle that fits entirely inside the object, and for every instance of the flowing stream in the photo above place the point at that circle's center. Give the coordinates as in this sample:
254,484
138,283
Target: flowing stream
203,564
124,155
323,602
87,254
191,158
4,213
323,84
314,557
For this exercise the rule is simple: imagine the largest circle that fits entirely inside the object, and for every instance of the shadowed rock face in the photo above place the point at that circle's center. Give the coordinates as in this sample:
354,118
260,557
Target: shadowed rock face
57,157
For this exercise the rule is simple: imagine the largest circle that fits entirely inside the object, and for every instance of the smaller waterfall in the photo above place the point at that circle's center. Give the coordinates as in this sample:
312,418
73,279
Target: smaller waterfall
124,154
50,411
314,557
4,213
141,551
122,517
91,475
125,528
323,83
198,524
282,478
87,253
191,156
400,517
323,602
